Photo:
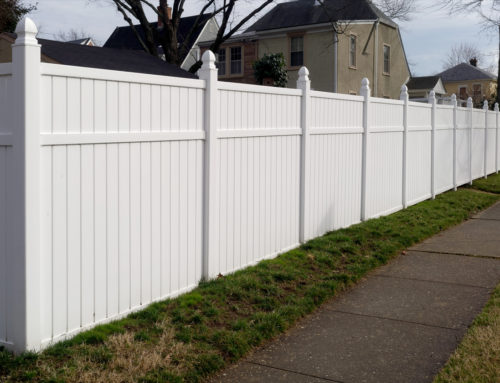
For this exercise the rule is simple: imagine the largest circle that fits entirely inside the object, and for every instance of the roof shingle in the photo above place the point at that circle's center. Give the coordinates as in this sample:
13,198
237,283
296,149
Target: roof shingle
309,12
464,72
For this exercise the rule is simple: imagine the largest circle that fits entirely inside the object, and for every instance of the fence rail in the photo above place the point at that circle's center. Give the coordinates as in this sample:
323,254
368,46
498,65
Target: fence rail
120,189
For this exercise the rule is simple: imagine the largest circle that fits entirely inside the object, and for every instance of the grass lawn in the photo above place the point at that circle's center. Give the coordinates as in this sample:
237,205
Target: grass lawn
477,359
491,184
197,334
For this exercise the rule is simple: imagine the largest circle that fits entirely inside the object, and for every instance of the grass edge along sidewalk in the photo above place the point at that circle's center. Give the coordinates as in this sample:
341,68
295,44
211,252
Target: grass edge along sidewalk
477,358
199,333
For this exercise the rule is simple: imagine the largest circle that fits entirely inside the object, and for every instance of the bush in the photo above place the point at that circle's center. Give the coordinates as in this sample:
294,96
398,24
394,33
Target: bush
271,66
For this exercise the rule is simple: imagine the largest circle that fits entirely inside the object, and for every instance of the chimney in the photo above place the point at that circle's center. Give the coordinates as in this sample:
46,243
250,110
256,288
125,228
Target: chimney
473,61
164,10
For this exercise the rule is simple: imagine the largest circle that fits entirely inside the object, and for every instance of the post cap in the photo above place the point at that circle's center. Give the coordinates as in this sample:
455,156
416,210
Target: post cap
485,105
365,87
303,74
454,99
496,107
208,60
404,93
26,31
469,102
432,97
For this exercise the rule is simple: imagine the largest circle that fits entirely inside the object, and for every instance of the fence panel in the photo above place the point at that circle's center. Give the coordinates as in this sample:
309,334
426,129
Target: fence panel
463,138
491,143
6,107
384,161
444,148
419,152
335,162
259,174
478,132
122,196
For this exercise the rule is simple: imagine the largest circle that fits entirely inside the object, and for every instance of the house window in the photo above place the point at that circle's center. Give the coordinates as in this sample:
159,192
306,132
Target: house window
462,93
387,59
297,51
352,51
477,93
222,62
236,60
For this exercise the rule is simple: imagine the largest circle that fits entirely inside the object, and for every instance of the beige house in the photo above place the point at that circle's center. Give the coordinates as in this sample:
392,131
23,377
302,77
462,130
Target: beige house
467,80
368,45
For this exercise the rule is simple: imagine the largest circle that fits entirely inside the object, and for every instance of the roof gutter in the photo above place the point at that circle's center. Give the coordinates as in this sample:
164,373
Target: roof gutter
375,62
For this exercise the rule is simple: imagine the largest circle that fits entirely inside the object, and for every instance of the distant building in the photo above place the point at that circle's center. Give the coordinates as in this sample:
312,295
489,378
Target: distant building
467,80
125,38
420,87
65,53
371,47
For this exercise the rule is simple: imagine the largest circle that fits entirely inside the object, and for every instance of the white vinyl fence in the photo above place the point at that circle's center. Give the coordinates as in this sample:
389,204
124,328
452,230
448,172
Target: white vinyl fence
120,189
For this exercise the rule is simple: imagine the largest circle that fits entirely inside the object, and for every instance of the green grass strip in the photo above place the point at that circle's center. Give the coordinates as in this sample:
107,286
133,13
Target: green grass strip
477,359
188,338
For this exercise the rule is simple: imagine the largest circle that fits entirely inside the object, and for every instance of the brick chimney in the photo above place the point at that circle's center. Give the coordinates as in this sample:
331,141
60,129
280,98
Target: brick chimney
164,10
473,61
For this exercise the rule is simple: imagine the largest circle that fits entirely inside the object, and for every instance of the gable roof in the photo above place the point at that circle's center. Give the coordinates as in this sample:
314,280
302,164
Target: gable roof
309,12
465,72
421,83
124,37
85,41
106,58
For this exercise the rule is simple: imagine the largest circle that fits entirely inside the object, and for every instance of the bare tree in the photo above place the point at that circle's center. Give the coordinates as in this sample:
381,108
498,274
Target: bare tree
397,9
488,10
73,34
460,53
169,13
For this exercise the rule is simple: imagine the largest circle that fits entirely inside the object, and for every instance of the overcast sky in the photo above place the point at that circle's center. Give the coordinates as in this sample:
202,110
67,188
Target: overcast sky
426,38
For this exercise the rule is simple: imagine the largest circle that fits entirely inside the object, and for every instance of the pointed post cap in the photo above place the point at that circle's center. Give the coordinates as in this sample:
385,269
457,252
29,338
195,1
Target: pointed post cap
432,97
365,87
303,74
403,96
303,82
26,31
485,105
469,102
496,107
454,99
208,60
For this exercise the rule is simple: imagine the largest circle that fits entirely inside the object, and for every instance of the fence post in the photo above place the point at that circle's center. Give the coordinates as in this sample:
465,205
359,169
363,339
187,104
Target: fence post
208,72
496,137
365,92
485,108
432,101
471,119
25,223
304,84
405,98
455,108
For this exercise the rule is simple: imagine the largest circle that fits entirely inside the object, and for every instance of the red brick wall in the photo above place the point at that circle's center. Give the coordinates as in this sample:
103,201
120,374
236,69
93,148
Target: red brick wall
250,54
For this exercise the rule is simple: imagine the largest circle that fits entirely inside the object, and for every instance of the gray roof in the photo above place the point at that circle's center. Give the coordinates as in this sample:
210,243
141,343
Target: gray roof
465,72
421,83
308,12
124,37
107,58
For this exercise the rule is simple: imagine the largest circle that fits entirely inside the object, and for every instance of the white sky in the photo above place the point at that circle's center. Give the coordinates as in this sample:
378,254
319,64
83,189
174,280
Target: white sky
427,37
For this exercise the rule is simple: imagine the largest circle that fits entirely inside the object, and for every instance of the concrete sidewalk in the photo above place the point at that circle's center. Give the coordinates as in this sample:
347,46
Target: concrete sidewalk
400,324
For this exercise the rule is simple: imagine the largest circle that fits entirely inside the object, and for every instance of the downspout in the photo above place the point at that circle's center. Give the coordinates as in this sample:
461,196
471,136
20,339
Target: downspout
375,62
335,60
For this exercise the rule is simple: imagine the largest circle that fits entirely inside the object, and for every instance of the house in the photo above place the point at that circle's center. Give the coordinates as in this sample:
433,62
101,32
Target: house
369,46
467,80
420,87
85,41
66,53
125,38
